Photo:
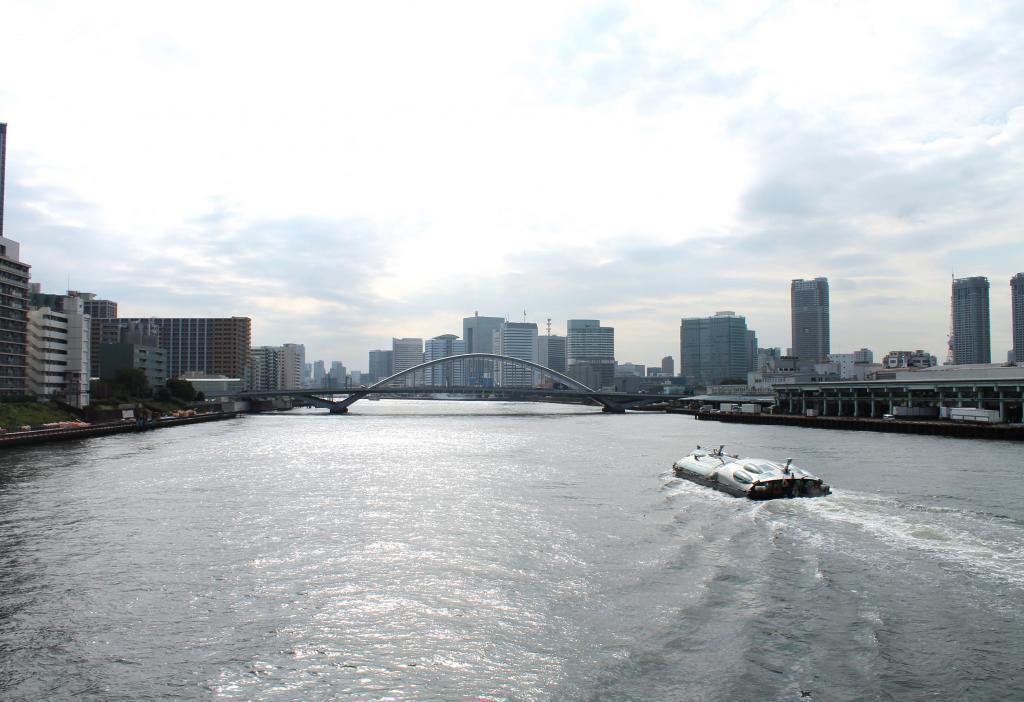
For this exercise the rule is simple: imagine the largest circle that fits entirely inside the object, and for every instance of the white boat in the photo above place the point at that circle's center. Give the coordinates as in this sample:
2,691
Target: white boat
756,478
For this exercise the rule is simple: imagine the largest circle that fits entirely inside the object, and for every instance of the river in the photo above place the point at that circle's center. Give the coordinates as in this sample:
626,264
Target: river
418,550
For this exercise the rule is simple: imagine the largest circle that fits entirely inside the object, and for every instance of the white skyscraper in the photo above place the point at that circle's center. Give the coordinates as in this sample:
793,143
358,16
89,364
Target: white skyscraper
519,340
407,353
293,360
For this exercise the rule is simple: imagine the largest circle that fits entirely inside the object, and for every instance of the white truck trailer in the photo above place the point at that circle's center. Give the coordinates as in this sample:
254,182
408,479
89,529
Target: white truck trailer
973,414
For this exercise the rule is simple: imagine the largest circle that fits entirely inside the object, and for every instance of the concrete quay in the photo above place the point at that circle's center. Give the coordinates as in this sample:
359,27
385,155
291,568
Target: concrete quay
41,436
963,430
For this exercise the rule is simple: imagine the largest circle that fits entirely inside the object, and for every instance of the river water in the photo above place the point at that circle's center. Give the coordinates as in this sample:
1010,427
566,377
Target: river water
418,550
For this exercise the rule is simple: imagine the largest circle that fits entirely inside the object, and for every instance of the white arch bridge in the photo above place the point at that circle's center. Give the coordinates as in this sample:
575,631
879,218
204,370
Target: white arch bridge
576,392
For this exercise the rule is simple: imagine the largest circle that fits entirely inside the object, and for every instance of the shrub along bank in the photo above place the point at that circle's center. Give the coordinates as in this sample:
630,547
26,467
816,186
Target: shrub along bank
16,414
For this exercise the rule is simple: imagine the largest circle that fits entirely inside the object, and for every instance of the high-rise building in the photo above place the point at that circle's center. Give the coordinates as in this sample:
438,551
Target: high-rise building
716,349
969,309
381,365
214,346
276,367
232,339
100,332
97,309
338,375
406,353
265,368
668,366
58,348
590,353
551,352
3,172
810,320
1017,307
293,361
518,340
478,333
319,374
14,302
445,374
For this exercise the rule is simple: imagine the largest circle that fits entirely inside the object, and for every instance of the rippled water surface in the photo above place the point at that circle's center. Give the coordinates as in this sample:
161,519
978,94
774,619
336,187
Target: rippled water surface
447,551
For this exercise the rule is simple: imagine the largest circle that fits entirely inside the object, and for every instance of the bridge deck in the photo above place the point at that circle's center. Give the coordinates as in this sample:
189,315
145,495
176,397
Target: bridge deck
458,390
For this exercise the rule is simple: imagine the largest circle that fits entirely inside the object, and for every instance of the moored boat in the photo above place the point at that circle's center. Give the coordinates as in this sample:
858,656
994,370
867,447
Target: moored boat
756,478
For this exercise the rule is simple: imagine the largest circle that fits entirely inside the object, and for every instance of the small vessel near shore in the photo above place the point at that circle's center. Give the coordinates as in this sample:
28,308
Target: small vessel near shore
755,478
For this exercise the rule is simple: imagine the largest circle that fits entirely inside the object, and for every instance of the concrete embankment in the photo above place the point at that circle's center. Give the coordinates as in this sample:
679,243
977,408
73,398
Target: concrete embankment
965,430
23,438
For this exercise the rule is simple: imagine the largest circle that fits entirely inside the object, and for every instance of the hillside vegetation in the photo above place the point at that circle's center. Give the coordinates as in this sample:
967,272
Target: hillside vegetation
14,415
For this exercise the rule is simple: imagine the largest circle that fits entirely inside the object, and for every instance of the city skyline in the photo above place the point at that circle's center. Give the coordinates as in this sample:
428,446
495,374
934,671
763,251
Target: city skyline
622,163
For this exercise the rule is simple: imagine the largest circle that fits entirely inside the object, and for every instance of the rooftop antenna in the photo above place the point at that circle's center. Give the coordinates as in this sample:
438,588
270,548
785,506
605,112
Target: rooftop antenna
524,316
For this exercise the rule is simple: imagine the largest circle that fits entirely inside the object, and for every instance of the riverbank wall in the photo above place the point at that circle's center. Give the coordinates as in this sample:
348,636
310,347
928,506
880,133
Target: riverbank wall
963,430
24,438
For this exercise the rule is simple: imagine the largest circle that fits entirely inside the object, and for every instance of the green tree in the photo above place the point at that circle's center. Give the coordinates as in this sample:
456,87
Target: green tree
135,382
181,389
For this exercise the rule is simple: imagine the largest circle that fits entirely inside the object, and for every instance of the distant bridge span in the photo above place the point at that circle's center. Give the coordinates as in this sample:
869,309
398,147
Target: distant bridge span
610,401
550,372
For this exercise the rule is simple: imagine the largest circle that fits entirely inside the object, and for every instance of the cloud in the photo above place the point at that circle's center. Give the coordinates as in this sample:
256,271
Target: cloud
56,229
611,52
629,162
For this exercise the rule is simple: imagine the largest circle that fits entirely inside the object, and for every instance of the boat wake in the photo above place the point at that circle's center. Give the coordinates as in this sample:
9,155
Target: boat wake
984,545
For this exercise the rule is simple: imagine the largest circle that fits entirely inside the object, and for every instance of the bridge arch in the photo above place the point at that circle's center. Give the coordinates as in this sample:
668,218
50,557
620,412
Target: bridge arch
562,377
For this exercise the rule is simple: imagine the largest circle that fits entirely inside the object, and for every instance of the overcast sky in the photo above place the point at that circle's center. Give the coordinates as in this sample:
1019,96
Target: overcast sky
348,172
